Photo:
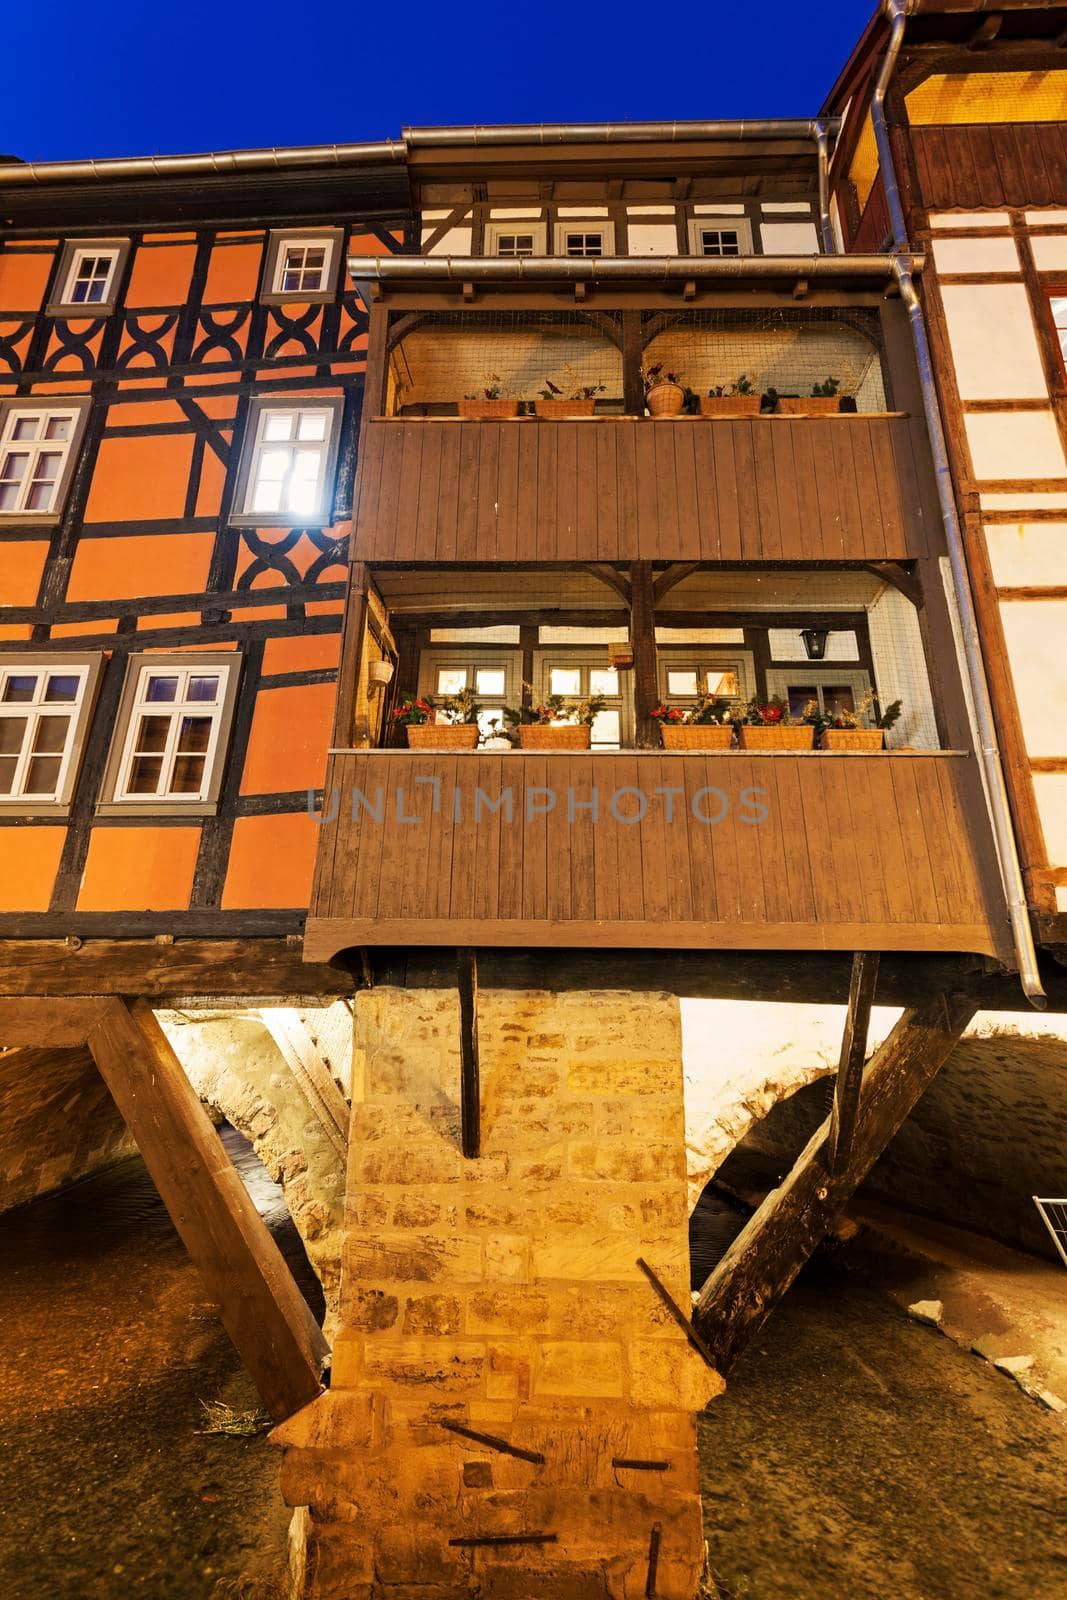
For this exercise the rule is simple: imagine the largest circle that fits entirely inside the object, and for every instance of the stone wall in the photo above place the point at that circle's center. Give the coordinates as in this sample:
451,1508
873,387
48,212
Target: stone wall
57,1123
512,1407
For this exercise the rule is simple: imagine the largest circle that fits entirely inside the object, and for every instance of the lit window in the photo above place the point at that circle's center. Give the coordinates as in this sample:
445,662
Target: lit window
494,680
684,679
515,244
580,680
172,733
41,712
290,463
303,265
451,680
36,446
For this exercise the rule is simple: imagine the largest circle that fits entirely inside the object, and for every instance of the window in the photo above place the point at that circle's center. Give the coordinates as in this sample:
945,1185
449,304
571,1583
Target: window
88,277
1058,307
287,468
171,733
582,675
494,678
515,244
302,266
37,449
585,239
729,675
720,236
832,689
44,709
515,239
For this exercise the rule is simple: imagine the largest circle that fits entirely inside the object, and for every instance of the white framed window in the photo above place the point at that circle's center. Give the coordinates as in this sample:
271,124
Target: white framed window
44,708
831,689
171,732
584,238
37,445
515,239
728,675
86,283
301,266
720,236
580,675
286,474
494,677
90,277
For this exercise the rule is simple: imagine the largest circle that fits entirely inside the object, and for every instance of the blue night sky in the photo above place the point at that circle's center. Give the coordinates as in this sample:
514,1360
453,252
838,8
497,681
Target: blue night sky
220,74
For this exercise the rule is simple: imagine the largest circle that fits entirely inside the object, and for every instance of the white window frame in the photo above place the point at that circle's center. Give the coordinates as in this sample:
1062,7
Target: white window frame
10,413
323,242
586,660
85,252
494,231
720,224
142,664
86,668
256,443
605,228
432,661
821,677
74,253
742,662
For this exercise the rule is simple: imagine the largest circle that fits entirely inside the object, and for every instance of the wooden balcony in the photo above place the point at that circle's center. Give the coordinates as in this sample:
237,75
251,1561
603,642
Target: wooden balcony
880,852
841,488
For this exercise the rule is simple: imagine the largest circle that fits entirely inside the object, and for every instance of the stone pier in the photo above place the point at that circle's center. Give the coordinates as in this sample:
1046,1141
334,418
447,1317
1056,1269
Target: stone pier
512,1410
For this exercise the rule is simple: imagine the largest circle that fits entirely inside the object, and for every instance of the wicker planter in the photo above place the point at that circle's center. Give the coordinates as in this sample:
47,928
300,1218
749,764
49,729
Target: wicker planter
812,405
545,736
564,408
443,735
484,410
729,405
665,399
696,735
773,736
862,739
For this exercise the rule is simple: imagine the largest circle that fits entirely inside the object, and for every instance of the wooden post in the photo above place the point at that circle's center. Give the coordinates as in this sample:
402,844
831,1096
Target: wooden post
776,1242
261,1307
633,389
643,640
355,631
528,640
853,1053
469,1078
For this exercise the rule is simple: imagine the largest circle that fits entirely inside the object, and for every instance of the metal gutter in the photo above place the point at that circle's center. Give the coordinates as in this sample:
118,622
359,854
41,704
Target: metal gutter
620,269
822,155
554,133
897,11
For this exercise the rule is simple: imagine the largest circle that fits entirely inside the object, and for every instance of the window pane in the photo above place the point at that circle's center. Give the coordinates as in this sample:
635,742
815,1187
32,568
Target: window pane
51,735
838,698
565,680
203,689
681,682
603,680
57,428
272,465
161,688
303,496
188,775
306,465
25,428
726,683
606,728
489,680
278,425
7,773
798,695
152,734
40,495
268,497
19,687
451,680
12,733
312,425
290,281
42,775
1059,310
491,721
194,734
144,774
61,686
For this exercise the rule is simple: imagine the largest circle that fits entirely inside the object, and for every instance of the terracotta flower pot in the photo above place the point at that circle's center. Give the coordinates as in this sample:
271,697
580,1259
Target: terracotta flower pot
484,410
549,736
865,739
564,408
665,399
812,405
729,405
443,735
697,735
775,736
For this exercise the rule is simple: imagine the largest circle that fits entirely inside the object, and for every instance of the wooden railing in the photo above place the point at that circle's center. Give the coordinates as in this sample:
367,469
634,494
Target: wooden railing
820,851
841,488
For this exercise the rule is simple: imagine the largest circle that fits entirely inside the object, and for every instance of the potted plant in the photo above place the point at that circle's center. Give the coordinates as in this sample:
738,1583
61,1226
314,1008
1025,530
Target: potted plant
823,399
846,730
492,401
664,391
703,726
453,725
555,723
768,725
737,399
568,398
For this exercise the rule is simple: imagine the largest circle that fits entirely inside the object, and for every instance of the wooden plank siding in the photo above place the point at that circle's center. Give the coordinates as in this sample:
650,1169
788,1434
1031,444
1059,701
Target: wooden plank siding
845,488
879,852
999,164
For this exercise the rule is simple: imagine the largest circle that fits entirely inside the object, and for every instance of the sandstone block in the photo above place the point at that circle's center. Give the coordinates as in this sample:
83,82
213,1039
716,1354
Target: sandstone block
579,1367
411,1258
508,1310
637,1163
434,1313
608,1075
506,1256
664,1373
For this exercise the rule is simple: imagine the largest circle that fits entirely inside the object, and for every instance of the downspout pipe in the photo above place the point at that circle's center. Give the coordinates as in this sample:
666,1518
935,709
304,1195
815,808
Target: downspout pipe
989,752
821,133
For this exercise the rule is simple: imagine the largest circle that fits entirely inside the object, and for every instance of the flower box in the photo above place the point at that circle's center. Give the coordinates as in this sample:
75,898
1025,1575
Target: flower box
443,735
565,408
696,735
775,736
812,405
484,410
862,739
554,736
665,399
729,405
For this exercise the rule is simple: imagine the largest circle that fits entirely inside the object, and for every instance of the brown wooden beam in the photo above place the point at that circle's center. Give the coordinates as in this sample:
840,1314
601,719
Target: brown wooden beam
251,970
261,1307
633,388
469,1073
766,1256
47,1023
674,575
897,577
353,636
643,641
609,575
853,1054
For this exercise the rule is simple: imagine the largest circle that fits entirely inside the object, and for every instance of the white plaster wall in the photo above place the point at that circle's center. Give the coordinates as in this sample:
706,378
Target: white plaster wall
969,219
1022,502
994,345
1050,789
789,239
1050,253
1036,635
455,242
900,670
1015,444
976,255
652,238
1023,553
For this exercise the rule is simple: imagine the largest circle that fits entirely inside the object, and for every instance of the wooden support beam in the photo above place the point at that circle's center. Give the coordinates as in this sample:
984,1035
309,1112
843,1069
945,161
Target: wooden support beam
250,971
672,577
853,1054
611,576
353,636
261,1307
643,640
633,389
766,1256
469,1075
897,577
985,32
47,1024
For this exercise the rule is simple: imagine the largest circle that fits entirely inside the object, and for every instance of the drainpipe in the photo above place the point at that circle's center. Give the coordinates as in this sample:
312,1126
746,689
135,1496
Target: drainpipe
989,753
826,227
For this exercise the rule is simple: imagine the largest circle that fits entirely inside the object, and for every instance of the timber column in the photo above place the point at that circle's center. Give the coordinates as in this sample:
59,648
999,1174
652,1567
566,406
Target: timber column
513,1405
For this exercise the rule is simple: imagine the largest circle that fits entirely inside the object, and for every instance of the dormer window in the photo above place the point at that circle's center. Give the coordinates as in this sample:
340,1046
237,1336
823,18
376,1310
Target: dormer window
720,236
302,266
585,238
88,277
515,239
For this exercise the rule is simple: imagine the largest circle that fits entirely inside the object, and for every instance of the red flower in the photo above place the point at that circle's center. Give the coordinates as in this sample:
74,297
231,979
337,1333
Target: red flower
771,713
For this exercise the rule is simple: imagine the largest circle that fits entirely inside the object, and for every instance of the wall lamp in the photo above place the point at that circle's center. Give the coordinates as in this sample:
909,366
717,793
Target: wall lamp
815,642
